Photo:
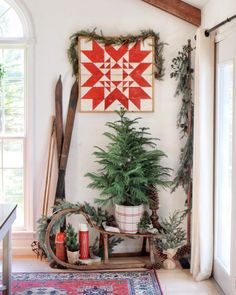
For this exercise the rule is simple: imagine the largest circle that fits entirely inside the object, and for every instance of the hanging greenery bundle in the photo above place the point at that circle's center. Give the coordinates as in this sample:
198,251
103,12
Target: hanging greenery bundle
127,39
182,72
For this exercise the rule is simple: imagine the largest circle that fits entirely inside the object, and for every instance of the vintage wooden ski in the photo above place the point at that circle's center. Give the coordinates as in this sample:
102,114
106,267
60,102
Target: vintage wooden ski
60,191
59,118
49,168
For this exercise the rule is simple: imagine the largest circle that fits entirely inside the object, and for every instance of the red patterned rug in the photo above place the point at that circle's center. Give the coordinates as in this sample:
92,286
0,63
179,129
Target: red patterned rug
86,283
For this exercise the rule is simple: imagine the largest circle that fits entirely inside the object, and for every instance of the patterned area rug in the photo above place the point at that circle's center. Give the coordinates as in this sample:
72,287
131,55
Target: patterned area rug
86,283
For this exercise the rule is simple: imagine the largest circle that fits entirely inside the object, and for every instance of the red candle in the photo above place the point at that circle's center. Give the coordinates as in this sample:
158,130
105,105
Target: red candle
84,241
60,246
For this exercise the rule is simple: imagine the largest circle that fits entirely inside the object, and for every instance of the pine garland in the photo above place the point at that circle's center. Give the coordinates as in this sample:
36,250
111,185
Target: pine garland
97,215
127,39
182,72
41,231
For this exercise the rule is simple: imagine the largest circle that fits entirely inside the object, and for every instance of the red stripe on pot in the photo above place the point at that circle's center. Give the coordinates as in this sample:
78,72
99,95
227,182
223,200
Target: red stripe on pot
129,215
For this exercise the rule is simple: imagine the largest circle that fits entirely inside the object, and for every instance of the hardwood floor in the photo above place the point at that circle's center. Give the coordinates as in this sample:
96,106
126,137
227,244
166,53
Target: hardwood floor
174,282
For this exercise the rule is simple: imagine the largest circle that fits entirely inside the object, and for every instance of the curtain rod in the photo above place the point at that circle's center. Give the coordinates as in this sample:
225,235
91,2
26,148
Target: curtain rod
207,32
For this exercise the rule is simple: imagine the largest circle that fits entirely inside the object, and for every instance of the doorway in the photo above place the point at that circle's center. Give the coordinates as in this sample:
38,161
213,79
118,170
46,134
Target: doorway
225,163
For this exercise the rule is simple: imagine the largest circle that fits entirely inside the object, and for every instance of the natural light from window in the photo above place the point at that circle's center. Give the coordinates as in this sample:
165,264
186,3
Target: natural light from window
12,112
224,163
10,24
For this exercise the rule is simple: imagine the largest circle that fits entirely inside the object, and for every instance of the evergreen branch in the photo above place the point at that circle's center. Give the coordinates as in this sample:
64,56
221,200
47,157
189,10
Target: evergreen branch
97,214
182,72
172,233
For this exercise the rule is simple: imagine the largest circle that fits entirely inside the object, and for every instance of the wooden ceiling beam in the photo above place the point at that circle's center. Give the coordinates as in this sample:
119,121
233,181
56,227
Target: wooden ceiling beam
180,9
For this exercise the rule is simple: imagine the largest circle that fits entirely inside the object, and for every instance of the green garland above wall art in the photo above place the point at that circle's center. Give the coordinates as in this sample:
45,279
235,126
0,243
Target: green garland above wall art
127,39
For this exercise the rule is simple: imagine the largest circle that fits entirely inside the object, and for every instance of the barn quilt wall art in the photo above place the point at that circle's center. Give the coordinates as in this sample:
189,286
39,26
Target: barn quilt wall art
115,73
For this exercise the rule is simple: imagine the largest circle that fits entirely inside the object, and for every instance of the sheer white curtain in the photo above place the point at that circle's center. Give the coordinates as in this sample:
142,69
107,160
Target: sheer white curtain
202,212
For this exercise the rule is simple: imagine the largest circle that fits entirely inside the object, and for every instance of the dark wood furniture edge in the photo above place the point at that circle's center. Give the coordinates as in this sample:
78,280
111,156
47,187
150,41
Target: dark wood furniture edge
12,210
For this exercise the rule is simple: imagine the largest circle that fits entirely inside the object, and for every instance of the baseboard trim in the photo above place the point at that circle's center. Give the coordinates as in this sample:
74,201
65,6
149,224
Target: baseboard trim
22,251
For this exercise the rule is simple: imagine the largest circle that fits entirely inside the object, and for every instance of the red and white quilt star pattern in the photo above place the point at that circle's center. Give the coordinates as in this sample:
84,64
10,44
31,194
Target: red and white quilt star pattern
114,76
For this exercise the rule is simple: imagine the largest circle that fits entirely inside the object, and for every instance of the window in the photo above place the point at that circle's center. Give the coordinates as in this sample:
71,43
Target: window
224,163
14,172
10,23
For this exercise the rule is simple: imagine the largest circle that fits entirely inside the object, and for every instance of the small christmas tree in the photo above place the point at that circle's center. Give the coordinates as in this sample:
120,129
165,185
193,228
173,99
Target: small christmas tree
71,239
172,233
130,165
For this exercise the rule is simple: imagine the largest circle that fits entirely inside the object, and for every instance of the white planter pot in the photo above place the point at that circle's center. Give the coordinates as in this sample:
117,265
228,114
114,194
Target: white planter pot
169,263
128,217
73,257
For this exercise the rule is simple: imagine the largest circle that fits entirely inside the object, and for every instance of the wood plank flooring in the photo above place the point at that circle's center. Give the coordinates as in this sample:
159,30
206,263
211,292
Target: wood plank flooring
173,282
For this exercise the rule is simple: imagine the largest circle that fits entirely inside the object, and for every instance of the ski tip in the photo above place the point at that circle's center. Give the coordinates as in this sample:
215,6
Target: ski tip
75,89
59,82
75,83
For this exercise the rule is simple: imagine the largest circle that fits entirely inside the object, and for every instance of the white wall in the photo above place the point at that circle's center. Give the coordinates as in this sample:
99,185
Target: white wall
216,11
54,22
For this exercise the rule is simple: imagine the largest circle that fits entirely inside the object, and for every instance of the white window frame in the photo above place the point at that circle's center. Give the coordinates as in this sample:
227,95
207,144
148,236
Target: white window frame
27,43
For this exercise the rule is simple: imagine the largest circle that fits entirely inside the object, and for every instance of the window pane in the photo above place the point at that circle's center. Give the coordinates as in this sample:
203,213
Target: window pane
14,94
13,188
13,60
3,6
13,183
1,120
12,153
1,185
12,111
19,222
224,164
10,24
14,121
1,95
0,153
12,91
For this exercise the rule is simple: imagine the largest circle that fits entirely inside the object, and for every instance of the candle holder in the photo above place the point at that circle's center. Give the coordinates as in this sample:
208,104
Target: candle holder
154,206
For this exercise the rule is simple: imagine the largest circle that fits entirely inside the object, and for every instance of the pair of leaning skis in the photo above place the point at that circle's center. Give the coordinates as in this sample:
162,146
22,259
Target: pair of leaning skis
63,138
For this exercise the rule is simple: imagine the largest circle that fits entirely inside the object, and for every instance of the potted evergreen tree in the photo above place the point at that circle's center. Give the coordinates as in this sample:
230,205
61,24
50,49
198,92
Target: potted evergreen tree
72,246
172,236
130,165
